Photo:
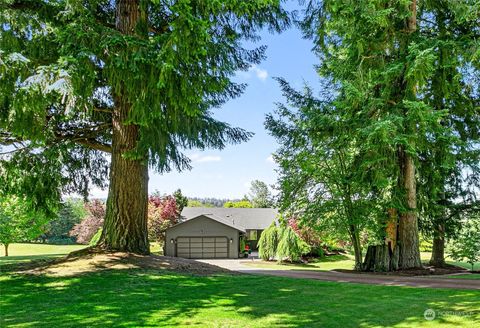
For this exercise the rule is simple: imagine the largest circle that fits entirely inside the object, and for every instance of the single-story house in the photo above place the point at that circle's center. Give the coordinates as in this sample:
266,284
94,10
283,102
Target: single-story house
215,232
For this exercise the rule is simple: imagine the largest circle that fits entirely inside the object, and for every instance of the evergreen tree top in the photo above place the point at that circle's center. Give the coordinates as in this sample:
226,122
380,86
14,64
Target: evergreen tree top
64,66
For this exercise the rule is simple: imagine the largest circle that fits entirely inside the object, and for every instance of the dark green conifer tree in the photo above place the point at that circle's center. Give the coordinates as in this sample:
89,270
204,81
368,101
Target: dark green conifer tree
405,80
136,79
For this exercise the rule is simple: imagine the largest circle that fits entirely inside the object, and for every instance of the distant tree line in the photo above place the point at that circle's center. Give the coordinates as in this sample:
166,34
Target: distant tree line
259,196
80,221
206,202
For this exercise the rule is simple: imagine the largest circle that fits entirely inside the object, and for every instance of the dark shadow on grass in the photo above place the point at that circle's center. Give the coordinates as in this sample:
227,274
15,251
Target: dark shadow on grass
27,262
20,263
20,258
139,298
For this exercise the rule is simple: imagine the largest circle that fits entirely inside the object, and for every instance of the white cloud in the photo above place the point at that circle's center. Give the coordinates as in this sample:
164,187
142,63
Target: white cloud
259,73
270,159
197,158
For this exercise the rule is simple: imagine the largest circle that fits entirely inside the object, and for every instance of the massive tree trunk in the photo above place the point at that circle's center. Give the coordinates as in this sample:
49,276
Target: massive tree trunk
357,247
385,257
438,249
408,240
6,249
391,229
379,258
125,227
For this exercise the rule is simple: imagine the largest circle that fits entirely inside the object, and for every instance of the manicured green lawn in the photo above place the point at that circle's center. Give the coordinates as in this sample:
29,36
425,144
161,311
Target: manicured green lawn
334,262
426,257
27,252
148,298
465,265
156,248
132,298
324,264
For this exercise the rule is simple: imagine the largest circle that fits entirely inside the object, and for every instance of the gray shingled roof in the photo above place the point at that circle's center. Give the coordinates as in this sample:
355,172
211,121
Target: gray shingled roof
228,223
246,218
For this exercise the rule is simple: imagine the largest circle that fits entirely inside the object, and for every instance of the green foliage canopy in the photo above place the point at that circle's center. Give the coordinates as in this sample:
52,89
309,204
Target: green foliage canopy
71,212
318,167
238,204
18,222
260,195
467,245
393,88
63,64
65,67
267,244
290,246
180,199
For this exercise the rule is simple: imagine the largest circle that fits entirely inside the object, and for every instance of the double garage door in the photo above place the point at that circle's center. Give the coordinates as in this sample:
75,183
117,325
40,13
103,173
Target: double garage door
202,247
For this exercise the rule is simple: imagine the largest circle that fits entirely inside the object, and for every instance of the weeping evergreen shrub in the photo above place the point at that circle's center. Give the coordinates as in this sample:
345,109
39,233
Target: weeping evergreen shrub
95,238
290,246
267,244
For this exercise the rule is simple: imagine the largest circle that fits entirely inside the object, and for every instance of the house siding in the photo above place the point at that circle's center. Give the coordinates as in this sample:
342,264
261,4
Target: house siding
202,227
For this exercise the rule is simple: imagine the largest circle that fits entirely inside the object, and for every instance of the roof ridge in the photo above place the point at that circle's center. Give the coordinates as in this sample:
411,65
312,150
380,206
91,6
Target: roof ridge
246,218
222,220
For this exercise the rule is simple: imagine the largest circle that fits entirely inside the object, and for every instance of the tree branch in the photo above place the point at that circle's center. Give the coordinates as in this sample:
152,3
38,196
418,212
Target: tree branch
12,151
462,208
103,110
7,139
94,144
48,10
25,5
86,136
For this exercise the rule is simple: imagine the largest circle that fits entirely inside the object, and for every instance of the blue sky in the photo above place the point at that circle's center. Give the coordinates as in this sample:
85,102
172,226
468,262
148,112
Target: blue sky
228,173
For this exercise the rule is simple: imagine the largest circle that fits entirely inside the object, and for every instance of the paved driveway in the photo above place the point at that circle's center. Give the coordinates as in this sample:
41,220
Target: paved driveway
230,264
364,278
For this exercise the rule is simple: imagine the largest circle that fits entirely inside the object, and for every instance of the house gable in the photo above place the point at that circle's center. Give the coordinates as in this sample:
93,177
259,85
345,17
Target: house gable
246,218
210,217
202,226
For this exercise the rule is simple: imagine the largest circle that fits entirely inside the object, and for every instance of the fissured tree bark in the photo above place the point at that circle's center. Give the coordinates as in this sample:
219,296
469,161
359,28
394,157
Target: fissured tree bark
125,227
408,240
438,248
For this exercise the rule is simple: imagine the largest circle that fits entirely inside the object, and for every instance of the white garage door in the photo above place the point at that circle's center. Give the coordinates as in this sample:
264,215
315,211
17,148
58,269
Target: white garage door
202,247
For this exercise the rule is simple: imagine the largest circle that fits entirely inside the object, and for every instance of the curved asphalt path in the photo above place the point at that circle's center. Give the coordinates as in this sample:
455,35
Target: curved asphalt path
363,278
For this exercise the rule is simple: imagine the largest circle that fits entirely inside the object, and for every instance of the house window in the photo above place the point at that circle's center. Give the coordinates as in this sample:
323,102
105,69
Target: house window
251,234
